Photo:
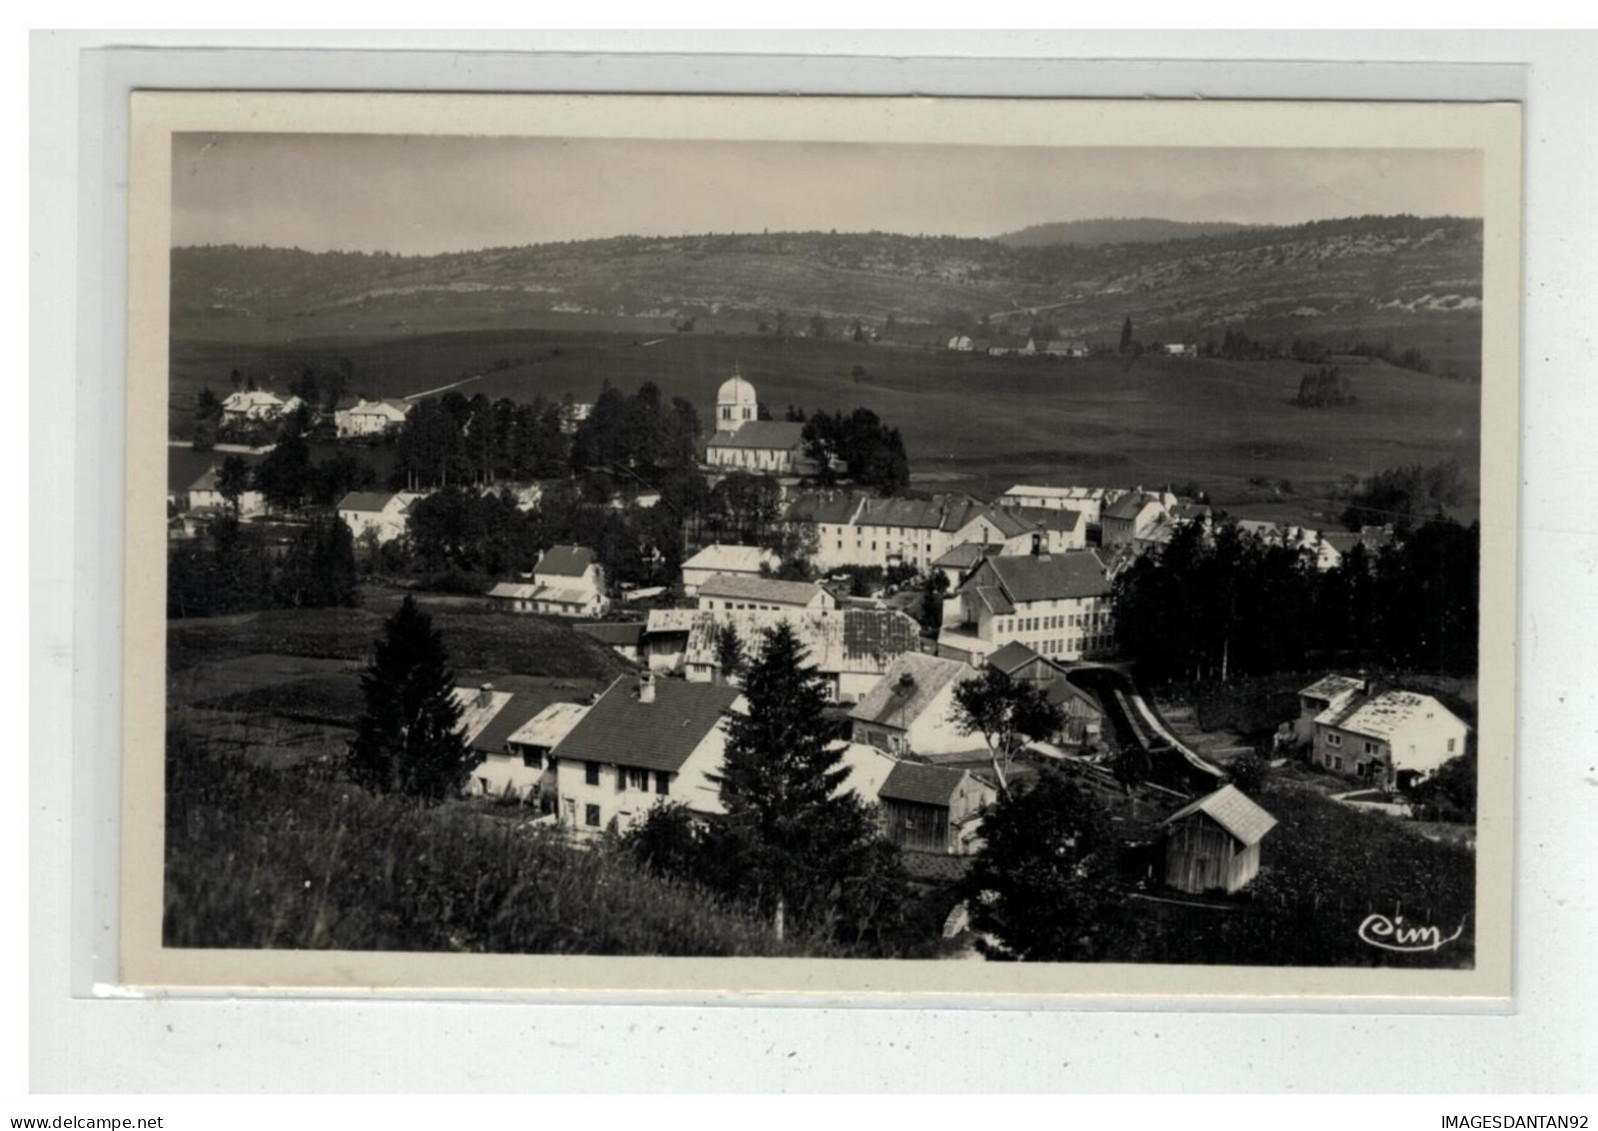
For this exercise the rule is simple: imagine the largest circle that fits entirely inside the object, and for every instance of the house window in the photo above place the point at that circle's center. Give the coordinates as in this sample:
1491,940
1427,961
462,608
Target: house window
591,816
1333,762
532,758
638,779
1370,748
591,773
1450,745
1334,740
662,783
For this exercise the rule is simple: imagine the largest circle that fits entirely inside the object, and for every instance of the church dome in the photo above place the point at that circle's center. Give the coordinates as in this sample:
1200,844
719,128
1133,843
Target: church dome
736,391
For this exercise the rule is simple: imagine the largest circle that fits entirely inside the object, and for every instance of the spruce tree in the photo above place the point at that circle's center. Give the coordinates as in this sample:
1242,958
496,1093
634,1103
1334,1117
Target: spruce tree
409,740
798,842
1126,335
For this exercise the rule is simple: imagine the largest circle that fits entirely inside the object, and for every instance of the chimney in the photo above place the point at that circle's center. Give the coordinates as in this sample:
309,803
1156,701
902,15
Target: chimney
646,687
485,695
1037,543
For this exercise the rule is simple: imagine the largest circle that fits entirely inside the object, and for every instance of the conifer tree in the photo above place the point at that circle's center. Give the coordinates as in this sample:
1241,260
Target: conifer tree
798,840
409,740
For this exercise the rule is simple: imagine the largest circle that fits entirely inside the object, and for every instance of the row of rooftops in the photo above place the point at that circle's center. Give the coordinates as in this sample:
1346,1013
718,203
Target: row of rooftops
948,513
1353,704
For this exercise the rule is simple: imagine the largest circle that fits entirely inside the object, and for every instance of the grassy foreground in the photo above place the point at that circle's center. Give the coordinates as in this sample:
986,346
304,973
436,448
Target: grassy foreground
263,858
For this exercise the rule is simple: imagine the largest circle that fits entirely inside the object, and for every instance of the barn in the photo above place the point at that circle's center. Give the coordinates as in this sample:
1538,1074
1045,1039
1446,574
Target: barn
1214,843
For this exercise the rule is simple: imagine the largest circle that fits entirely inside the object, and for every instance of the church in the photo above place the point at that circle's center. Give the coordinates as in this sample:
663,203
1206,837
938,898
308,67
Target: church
743,442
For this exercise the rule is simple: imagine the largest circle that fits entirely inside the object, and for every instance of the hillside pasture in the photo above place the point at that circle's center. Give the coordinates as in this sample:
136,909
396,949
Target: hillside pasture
969,422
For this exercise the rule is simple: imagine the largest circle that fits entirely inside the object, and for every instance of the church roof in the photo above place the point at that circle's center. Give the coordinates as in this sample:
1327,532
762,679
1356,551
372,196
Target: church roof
777,435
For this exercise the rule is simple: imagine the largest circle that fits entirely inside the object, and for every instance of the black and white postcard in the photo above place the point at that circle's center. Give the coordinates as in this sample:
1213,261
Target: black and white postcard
834,546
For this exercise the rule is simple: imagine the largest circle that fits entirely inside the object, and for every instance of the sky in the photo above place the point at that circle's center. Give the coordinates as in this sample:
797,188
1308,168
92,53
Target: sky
421,195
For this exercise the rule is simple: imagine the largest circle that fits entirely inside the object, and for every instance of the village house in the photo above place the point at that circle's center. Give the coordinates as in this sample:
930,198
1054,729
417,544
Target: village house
1133,516
1388,739
567,581
886,532
626,639
645,741
1084,717
911,709
491,718
666,633
957,562
1056,604
1012,527
934,808
1313,549
573,414
728,592
370,418
850,649
1009,347
525,769
1213,844
1374,539
744,442
382,513
726,560
961,343
203,496
1179,349
250,406
1325,694
1088,501
1060,348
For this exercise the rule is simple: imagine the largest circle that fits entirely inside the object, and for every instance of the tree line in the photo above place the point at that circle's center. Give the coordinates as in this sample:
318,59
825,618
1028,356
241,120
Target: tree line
1221,604
236,569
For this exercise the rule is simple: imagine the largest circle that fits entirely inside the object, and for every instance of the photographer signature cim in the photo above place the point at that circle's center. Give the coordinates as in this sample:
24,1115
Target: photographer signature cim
1393,934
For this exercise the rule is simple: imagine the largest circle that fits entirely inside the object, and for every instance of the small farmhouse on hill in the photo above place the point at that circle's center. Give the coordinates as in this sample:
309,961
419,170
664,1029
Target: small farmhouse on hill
1214,843
381,513
370,418
911,709
567,581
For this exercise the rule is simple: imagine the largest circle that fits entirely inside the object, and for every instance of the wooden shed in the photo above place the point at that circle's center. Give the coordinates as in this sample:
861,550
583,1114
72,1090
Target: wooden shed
1214,843
933,808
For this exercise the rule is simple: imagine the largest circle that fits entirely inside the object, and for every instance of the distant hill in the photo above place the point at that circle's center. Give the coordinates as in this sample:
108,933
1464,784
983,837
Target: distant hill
1404,279
1091,233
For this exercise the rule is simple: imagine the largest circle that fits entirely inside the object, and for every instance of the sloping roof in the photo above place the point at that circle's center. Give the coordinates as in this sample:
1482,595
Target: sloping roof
911,684
721,558
993,598
514,590
1044,577
510,718
743,586
834,640
868,769
1129,505
623,635
565,561
366,501
780,435
662,621
1060,519
478,710
836,507
623,730
966,555
1042,492
1382,716
940,512
1333,687
1011,657
922,785
1230,808
550,725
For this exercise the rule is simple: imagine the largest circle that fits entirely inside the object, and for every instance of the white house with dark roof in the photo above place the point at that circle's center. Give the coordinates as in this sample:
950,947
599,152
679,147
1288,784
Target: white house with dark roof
370,418
1089,501
204,495
742,561
382,513
911,709
567,581
645,741
1132,516
729,592
248,406
1056,604
1387,739
1328,692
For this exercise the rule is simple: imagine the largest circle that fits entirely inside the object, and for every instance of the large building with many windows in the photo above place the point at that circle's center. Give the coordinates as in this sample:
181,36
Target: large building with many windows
1056,604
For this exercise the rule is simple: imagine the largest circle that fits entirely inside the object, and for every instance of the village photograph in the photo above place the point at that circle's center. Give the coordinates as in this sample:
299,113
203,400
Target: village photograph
681,547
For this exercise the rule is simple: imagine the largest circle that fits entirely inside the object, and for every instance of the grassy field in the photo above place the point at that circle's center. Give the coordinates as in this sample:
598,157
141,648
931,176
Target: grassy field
1324,868
969,422
259,857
